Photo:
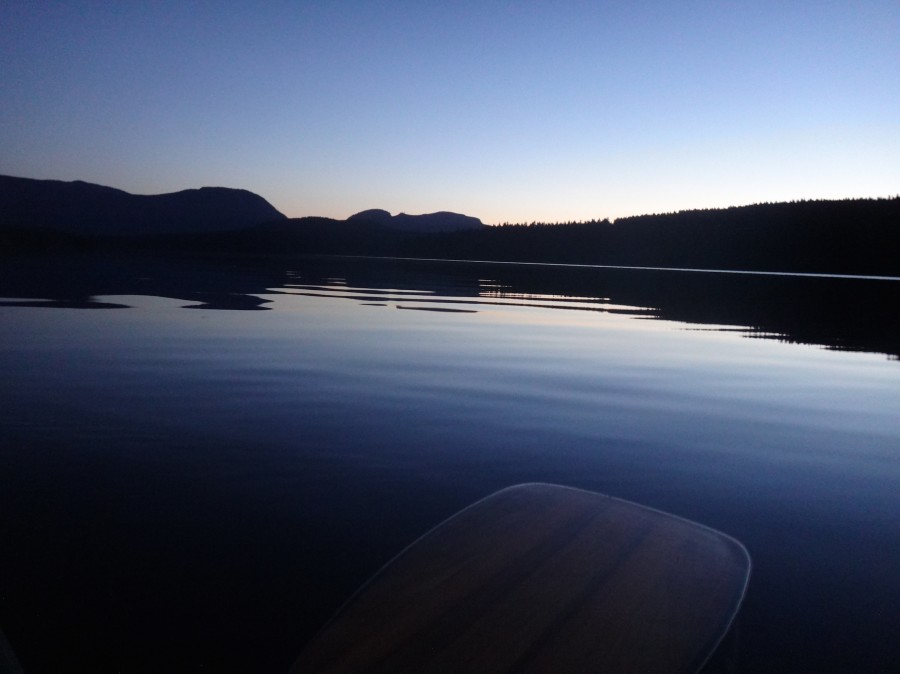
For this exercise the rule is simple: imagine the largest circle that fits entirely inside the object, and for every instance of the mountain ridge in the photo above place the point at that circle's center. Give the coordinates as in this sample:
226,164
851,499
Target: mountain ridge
440,221
82,208
851,236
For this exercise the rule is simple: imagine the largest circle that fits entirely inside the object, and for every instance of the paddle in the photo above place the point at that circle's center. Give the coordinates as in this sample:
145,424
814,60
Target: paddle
542,578
8,662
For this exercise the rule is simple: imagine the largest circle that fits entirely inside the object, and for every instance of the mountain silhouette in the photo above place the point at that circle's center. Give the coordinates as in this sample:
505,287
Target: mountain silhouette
374,215
850,236
87,209
442,221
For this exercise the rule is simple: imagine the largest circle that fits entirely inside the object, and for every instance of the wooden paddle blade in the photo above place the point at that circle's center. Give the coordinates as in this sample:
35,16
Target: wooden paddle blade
8,662
542,578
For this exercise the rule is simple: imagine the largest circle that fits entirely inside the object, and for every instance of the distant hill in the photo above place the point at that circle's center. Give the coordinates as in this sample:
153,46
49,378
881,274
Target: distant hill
316,235
850,236
442,221
87,209
372,232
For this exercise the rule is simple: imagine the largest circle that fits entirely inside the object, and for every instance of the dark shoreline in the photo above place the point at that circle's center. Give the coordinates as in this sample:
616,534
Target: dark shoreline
859,237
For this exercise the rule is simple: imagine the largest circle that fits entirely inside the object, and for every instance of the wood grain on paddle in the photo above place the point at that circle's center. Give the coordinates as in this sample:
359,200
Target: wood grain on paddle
541,578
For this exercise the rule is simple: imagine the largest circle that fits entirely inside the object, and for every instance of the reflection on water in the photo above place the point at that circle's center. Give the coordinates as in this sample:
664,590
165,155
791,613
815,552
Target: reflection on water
854,314
199,490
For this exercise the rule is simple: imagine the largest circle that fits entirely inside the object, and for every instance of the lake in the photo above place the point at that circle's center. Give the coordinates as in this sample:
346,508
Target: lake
202,458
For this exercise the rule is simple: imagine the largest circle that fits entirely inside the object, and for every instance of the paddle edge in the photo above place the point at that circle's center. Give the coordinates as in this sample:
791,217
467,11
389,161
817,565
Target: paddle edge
736,546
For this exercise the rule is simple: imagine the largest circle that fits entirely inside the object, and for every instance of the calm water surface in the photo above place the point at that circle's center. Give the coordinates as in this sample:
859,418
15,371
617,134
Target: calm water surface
201,460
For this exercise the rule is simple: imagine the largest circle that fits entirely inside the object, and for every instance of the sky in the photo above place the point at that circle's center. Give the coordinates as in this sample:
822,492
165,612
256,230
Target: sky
512,111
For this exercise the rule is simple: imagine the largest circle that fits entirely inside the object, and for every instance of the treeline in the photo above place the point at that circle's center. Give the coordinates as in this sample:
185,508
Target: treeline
535,223
856,236
853,236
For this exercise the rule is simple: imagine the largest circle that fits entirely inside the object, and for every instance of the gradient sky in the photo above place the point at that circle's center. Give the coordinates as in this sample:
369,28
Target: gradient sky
508,111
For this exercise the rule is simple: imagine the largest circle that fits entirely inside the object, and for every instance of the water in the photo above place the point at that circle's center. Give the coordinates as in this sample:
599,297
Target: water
202,459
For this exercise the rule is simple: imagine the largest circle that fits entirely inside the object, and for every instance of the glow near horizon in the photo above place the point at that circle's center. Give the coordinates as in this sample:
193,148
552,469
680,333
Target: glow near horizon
508,111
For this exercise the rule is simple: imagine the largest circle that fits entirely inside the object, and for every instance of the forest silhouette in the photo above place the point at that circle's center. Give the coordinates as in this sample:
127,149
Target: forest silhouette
859,236
851,236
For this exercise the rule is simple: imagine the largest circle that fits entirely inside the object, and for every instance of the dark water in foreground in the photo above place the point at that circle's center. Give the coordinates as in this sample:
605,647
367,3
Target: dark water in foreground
201,460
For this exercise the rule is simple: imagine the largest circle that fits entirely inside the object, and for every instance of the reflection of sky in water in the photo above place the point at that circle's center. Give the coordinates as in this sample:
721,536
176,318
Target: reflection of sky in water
326,395
588,376
486,297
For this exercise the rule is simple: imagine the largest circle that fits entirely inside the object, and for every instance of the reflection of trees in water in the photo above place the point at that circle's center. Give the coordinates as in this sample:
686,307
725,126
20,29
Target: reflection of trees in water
841,313
852,314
